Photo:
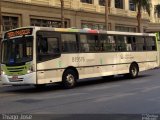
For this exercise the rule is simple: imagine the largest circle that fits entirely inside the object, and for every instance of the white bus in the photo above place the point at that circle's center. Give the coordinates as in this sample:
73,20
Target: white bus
43,55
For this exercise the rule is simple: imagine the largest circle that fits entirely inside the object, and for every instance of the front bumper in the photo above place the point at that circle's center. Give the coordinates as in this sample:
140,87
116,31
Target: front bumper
21,80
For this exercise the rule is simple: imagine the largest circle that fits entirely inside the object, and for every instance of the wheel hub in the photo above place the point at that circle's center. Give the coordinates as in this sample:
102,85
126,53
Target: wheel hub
70,78
134,71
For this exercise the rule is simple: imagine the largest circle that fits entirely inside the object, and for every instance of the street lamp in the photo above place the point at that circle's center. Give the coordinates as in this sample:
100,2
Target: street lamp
62,13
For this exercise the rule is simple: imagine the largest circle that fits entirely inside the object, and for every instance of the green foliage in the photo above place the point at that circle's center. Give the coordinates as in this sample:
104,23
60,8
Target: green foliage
144,4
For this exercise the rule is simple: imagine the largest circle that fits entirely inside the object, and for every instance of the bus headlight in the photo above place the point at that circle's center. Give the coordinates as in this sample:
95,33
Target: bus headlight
30,70
3,72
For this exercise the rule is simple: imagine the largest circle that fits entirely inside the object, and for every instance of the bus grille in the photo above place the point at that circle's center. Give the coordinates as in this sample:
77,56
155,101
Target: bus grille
13,70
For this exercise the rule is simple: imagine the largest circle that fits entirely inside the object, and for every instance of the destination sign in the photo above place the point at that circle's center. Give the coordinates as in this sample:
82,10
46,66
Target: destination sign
20,32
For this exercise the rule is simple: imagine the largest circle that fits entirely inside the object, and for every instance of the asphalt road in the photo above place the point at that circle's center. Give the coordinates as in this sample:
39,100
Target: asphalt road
91,96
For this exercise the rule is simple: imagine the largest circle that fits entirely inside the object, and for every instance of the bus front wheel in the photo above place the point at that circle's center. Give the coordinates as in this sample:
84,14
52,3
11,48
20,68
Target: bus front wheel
69,79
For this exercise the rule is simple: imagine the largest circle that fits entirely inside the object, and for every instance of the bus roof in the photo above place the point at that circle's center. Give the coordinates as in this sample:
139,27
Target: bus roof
85,30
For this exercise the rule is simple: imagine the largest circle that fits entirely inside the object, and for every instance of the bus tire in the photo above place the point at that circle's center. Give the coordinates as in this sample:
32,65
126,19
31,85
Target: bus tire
69,79
133,70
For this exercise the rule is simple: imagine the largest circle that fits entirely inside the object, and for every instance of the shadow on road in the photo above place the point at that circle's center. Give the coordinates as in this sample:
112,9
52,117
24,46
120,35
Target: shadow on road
119,78
57,87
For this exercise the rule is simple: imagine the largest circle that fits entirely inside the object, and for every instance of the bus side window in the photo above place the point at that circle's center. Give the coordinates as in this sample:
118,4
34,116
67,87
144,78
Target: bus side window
101,44
134,44
110,44
150,43
120,43
84,46
92,40
69,42
128,41
140,43
42,45
48,48
53,47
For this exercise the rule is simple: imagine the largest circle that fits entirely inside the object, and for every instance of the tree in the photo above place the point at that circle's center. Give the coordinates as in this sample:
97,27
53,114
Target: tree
142,4
107,6
157,10
0,29
0,20
62,13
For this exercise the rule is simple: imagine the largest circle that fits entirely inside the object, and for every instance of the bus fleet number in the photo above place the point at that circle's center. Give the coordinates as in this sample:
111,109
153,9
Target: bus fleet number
78,59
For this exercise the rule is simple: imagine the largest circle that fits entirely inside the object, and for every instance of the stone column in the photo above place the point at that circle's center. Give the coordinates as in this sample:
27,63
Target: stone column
126,4
95,2
112,3
25,19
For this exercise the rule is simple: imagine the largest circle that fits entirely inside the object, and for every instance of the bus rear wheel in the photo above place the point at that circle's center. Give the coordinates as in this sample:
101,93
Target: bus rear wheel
69,79
133,71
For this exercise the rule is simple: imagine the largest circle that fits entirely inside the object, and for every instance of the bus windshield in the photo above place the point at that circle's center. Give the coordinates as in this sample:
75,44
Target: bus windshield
17,50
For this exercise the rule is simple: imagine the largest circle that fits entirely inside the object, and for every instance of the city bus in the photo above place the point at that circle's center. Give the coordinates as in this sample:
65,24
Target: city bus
45,55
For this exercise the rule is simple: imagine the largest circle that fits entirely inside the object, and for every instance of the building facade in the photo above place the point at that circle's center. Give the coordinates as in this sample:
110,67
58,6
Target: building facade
154,24
77,13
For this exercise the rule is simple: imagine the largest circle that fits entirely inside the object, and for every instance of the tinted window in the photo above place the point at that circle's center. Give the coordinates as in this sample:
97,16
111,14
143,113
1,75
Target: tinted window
93,43
139,43
129,43
107,43
89,43
120,43
150,43
18,50
69,43
84,46
48,48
